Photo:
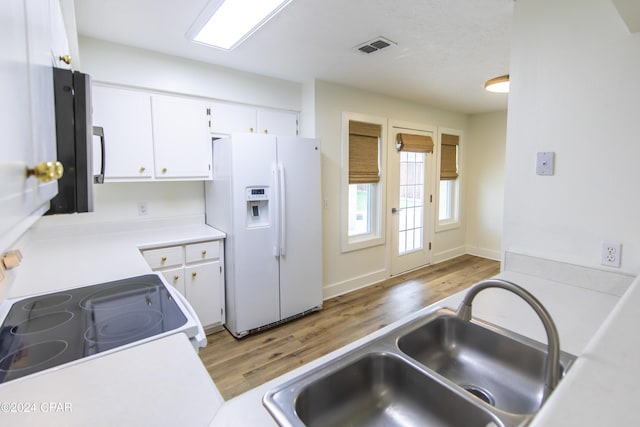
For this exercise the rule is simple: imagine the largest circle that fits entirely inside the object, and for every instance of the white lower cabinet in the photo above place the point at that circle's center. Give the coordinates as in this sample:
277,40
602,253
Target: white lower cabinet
196,271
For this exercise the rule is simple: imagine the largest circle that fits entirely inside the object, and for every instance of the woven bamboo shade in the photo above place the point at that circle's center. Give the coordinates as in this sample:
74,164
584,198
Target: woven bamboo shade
414,143
449,156
363,152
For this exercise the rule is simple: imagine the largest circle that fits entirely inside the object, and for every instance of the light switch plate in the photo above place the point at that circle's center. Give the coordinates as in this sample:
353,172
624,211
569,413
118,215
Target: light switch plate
544,163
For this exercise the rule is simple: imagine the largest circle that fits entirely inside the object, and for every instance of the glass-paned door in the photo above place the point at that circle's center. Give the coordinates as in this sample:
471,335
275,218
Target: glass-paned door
409,187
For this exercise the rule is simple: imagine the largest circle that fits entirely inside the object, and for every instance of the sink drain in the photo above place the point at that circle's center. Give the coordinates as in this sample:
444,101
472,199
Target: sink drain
480,393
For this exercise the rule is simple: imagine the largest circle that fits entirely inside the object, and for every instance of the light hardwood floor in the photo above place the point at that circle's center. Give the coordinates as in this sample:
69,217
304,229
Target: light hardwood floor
239,365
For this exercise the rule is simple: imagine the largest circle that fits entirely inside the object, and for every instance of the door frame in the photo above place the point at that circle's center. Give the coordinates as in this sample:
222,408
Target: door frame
393,164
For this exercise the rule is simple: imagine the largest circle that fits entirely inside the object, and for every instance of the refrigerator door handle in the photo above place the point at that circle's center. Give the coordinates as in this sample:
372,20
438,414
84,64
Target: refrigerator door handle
276,215
283,212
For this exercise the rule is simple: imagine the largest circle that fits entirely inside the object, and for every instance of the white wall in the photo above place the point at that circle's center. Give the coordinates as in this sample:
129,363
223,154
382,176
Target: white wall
114,63
118,202
574,91
347,271
484,152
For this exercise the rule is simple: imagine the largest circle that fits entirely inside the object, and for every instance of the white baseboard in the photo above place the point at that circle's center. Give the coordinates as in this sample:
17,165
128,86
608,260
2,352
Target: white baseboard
356,283
484,253
340,288
448,254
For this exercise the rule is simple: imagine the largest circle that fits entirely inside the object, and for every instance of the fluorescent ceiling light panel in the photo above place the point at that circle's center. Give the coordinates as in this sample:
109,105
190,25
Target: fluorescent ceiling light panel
230,22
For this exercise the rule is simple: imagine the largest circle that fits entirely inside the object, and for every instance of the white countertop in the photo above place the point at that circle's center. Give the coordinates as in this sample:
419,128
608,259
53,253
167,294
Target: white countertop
577,312
69,257
160,382
163,382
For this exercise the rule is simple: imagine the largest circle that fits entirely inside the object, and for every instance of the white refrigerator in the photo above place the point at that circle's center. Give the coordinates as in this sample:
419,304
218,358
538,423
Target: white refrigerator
265,195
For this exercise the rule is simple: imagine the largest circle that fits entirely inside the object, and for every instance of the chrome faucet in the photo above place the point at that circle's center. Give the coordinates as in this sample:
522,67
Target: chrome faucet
552,363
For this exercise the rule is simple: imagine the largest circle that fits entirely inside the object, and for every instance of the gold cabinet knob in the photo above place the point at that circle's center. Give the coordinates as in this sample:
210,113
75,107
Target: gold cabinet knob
204,252
66,59
250,129
142,169
46,171
175,278
163,259
194,274
164,170
266,131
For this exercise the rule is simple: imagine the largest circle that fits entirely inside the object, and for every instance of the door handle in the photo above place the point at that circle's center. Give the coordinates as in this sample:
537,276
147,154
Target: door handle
395,210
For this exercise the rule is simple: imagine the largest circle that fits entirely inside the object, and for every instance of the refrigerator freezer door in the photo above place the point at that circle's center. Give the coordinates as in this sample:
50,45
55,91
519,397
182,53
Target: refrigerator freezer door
256,293
301,262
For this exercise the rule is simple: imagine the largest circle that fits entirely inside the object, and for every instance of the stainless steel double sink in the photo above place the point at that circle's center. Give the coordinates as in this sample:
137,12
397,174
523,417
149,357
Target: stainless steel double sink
437,370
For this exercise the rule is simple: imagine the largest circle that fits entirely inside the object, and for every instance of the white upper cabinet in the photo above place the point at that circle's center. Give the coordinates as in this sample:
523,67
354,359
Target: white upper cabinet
181,138
228,118
60,55
27,120
274,122
152,137
41,103
125,117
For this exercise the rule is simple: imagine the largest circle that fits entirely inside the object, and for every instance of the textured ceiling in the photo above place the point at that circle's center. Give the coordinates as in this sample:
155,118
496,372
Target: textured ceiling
446,49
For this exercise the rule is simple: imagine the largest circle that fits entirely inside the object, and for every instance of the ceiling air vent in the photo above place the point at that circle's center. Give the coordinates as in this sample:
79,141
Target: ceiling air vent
375,45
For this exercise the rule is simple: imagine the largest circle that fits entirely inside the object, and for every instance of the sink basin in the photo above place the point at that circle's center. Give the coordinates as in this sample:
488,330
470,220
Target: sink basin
501,370
381,389
436,370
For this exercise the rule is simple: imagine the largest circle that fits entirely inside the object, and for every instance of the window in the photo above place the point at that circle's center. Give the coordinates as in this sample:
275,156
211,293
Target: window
410,227
360,203
449,193
362,193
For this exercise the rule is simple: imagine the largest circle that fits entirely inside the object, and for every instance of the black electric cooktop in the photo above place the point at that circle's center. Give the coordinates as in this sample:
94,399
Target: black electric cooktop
49,330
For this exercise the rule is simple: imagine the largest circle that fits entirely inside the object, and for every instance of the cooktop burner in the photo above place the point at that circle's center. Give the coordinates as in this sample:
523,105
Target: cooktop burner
49,330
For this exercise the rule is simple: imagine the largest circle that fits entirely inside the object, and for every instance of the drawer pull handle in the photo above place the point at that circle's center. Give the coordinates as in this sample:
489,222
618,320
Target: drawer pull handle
204,253
163,259
164,170
175,278
193,275
142,169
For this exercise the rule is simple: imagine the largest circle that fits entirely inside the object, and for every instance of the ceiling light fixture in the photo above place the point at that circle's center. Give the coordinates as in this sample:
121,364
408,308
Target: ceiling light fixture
498,84
225,24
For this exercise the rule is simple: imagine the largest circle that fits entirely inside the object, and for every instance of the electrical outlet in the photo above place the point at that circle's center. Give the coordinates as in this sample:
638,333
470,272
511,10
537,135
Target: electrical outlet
142,209
611,253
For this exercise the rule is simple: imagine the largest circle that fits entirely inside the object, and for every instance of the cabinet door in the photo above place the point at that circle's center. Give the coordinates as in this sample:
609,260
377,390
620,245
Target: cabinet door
26,114
14,121
227,118
59,42
41,94
181,138
202,287
125,117
282,123
175,277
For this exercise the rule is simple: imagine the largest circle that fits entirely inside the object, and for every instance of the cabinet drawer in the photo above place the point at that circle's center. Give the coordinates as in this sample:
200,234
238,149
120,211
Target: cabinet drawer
202,251
165,257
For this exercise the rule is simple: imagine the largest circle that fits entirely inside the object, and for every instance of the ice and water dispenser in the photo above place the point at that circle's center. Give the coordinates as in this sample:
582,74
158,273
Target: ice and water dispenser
257,206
